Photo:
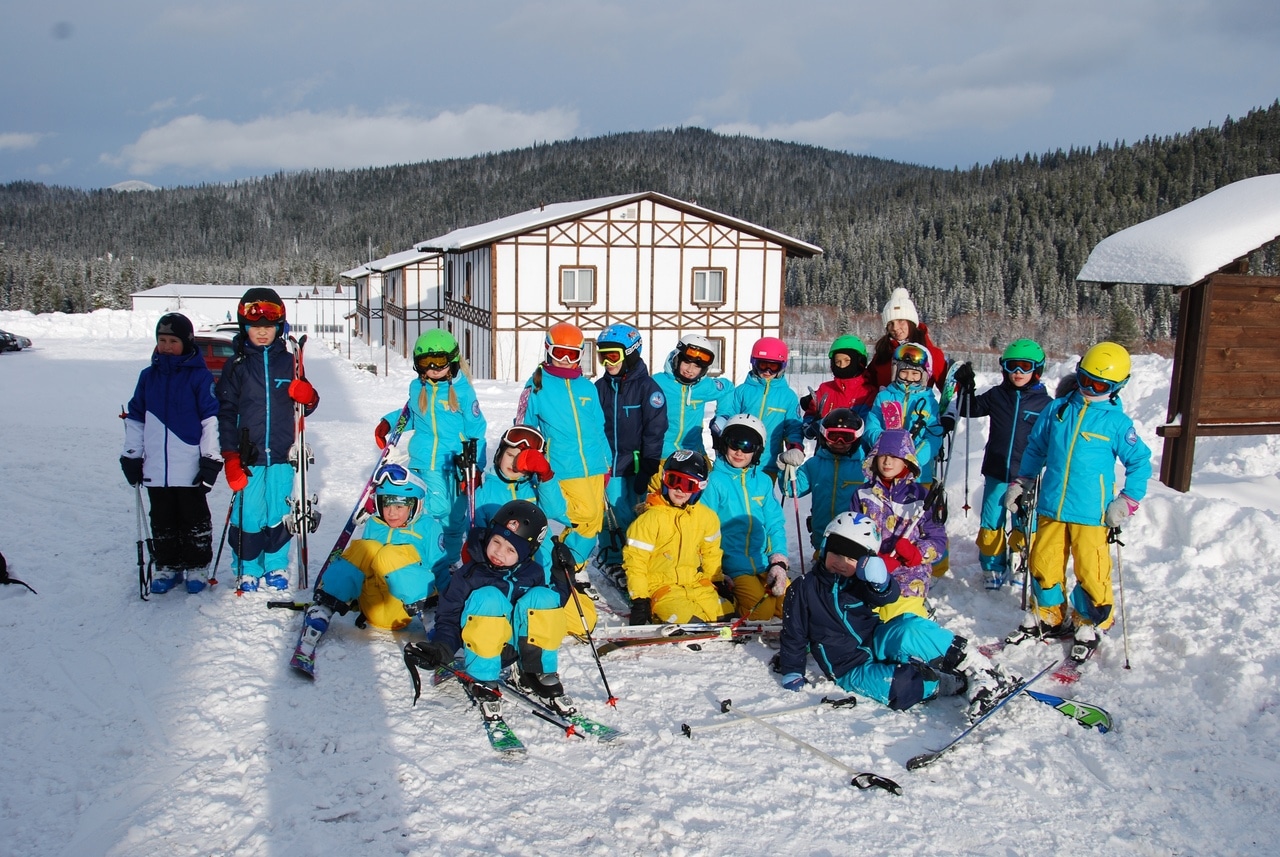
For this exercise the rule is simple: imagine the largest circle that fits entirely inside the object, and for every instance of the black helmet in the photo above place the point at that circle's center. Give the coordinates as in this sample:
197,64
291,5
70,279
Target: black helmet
522,524
840,422
260,306
687,471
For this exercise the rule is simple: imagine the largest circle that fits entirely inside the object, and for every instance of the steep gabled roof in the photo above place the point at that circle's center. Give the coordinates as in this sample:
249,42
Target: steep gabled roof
1183,246
471,237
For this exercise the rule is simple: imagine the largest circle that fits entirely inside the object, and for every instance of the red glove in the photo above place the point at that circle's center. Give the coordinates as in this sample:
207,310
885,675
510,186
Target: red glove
908,553
301,391
380,434
533,461
236,477
890,562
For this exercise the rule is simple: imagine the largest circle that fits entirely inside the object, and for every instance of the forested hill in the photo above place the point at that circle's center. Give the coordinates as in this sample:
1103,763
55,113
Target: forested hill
1001,239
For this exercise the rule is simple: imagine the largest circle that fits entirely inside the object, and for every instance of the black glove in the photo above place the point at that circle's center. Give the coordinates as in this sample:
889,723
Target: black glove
208,475
965,382
640,612
640,482
725,588
948,422
132,468
432,653
806,404
563,563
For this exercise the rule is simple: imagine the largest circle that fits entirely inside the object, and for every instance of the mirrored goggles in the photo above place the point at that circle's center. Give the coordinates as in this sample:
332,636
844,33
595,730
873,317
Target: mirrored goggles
682,482
610,356
524,437
841,436
256,311
423,362
394,500
771,367
742,443
700,356
912,355
395,474
566,353
1023,367
1095,385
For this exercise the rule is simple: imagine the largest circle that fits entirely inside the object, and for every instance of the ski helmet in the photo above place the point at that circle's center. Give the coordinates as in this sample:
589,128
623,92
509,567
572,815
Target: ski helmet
522,437
696,349
852,347
620,337
912,355
436,349
397,485
840,424
685,470
522,524
852,535
177,324
261,306
744,433
769,349
1103,370
1023,355
565,339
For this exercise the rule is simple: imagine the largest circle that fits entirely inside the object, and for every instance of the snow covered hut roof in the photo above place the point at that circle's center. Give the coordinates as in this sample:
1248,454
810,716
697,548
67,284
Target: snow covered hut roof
398,260
1183,246
516,224
356,273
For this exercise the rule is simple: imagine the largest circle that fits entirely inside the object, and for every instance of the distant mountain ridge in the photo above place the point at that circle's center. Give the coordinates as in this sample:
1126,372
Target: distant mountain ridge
1004,239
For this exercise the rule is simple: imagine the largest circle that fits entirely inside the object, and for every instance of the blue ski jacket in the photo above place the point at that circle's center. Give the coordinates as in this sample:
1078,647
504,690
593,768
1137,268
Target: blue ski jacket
172,420
567,411
1013,413
920,419
832,480
687,407
635,418
777,406
439,429
752,525
253,393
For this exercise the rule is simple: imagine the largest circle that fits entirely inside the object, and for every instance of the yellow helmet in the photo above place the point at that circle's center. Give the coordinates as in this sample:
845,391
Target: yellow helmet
1103,369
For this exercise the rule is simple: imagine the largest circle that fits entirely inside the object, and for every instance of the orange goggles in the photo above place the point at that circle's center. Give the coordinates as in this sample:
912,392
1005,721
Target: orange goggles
423,362
258,311
566,353
700,356
682,482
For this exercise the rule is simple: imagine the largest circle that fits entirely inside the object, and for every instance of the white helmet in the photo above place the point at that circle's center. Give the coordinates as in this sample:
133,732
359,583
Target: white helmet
852,535
743,432
697,349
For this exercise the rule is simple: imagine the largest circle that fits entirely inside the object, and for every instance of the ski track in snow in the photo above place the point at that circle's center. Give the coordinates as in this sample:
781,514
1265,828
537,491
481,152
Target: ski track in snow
175,727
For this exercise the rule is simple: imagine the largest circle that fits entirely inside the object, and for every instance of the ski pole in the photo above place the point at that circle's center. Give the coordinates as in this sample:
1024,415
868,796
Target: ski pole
687,729
861,779
144,538
966,404
1113,536
213,575
560,549
795,503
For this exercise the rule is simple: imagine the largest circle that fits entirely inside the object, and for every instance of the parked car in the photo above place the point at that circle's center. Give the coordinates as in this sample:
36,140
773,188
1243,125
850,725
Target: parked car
10,342
216,348
23,341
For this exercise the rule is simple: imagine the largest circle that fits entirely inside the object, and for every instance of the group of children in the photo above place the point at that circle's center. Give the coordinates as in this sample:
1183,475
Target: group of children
690,537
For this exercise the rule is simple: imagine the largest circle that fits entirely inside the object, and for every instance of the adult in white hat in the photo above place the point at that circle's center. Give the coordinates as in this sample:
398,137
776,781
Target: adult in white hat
902,324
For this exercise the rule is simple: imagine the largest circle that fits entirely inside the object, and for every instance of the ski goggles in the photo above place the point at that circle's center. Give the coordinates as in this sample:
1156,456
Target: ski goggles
743,443
524,437
840,436
1092,384
770,367
565,353
1022,367
678,481
423,362
393,474
911,354
261,311
698,355
394,500
610,356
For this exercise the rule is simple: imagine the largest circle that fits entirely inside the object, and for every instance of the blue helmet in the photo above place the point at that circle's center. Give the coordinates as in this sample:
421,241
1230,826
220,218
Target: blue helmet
624,336
397,485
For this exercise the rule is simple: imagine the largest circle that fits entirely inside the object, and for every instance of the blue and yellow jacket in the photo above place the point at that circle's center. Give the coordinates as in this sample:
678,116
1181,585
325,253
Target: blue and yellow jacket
777,406
752,525
568,413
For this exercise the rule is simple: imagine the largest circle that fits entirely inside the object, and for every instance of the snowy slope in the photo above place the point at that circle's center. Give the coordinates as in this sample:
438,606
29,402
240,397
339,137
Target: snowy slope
174,727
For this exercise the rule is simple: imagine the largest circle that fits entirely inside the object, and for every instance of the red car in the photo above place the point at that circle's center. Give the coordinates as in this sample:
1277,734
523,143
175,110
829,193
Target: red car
216,348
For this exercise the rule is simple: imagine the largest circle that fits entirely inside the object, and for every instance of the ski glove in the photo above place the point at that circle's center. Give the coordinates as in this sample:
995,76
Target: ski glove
533,461
640,481
874,572
380,433
641,612
793,681
1119,509
236,477
563,563
907,552
301,391
775,580
132,468
433,653
208,475
965,380
1021,493
790,459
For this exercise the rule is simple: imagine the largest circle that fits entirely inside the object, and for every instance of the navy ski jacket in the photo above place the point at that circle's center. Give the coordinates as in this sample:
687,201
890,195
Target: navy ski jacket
253,393
1013,413
635,417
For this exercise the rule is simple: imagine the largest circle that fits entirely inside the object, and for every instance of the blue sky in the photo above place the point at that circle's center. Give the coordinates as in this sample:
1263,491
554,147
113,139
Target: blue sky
176,93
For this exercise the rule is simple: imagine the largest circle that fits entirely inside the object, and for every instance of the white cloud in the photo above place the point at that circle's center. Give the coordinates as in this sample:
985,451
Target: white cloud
12,142
338,140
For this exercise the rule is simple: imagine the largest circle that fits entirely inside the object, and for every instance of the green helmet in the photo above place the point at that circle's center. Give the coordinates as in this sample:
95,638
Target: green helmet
852,347
1024,349
436,343
848,342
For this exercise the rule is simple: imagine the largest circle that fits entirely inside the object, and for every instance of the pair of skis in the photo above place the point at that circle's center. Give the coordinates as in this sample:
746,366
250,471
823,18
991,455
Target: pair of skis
304,517
693,637
1066,671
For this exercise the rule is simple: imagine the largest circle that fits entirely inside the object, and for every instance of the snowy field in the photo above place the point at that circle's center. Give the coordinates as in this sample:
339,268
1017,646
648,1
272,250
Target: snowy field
174,727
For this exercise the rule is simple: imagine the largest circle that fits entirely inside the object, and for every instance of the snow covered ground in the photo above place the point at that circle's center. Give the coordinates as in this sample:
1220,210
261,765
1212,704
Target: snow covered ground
175,728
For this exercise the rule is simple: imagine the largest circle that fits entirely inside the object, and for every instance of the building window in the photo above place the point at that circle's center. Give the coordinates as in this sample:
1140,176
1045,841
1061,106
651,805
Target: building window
466,284
717,365
577,286
448,281
708,285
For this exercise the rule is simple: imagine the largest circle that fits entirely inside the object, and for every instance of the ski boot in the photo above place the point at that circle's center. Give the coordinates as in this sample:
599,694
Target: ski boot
547,687
246,584
197,581
165,579
582,583
486,694
1039,630
275,580
994,572
314,623
1085,644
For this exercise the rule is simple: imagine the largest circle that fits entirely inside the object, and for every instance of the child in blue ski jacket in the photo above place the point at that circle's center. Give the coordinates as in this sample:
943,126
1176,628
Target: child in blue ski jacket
1077,441
446,424
831,613
766,394
753,532
635,421
386,571
171,447
688,390
256,428
1013,405
909,403
832,475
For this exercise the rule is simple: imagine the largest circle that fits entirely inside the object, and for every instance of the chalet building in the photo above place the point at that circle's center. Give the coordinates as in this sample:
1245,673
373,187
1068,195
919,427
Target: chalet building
667,266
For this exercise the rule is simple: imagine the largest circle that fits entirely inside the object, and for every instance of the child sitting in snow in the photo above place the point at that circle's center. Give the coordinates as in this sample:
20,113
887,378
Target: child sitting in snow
831,614
388,570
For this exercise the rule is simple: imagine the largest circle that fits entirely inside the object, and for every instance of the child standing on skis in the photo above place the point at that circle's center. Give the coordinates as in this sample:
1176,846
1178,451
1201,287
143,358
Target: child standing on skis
831,613
500,608
171,446
386,571
635,420
1013,405
688,390
673,556
753,531
895,501
851,386
1077,441
447,428
256,428
766,394
832,474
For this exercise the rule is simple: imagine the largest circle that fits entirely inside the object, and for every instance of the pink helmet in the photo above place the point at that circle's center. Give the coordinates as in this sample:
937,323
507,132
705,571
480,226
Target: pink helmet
770,348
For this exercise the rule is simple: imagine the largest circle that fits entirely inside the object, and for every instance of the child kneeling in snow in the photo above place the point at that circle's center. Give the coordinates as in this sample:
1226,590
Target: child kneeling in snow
830,613
388,570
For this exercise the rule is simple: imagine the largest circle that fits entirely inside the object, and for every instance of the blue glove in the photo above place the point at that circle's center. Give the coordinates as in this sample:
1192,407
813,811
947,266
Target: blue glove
873,570
793,681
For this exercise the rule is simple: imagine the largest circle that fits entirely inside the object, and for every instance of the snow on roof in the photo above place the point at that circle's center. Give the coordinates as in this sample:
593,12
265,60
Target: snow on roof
356,273
398,260
195,290
536,218
1183,246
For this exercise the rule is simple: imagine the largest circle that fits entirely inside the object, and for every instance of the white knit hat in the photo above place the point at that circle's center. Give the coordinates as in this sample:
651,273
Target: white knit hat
900,306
